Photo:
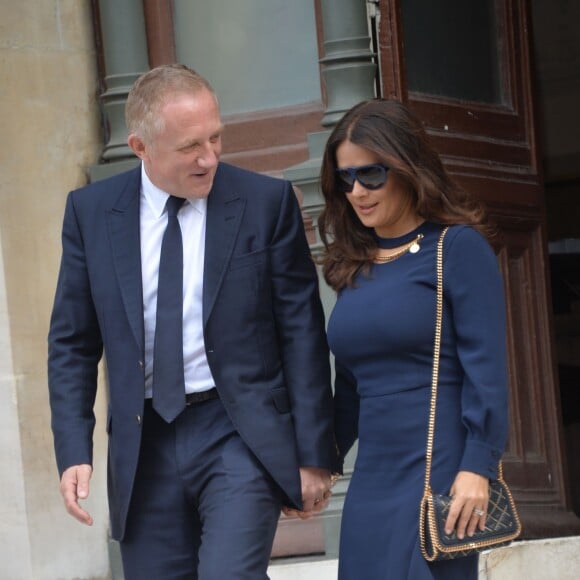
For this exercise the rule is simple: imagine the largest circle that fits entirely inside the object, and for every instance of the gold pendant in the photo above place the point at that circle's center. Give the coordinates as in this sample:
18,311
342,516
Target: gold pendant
415,247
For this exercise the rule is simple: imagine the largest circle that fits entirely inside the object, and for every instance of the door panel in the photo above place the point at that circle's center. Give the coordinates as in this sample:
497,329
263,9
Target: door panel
484,127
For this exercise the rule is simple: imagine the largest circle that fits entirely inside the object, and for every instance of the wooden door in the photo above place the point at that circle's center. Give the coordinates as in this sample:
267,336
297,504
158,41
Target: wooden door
464,68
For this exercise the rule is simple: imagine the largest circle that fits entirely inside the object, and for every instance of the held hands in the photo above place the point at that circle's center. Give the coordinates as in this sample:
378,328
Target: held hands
74,486
470,493
316,484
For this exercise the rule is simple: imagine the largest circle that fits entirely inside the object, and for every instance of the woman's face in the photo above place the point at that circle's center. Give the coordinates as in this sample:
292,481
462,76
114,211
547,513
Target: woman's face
389,210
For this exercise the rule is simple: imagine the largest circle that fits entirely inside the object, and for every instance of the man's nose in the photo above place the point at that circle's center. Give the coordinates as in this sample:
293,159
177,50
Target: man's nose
208,157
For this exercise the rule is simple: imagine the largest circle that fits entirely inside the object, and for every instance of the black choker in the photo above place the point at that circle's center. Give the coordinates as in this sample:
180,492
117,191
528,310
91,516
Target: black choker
390,243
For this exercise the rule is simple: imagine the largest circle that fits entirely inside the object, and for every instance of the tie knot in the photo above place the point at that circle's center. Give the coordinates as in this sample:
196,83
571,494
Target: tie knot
174,204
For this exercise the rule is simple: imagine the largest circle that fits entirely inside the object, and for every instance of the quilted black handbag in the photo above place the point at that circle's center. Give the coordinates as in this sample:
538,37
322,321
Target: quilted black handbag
502,524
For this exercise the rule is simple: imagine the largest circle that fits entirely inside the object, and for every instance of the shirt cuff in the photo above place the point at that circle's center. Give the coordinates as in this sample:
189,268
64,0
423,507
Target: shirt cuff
480,458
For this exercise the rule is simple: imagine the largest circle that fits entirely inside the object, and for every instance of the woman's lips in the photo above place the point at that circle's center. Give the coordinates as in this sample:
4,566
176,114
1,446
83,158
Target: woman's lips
366,209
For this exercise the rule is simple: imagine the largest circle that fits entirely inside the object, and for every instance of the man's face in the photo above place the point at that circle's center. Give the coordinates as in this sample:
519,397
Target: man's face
182,157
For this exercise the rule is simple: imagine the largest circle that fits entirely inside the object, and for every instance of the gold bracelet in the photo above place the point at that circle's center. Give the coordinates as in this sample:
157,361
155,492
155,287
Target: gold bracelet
334,478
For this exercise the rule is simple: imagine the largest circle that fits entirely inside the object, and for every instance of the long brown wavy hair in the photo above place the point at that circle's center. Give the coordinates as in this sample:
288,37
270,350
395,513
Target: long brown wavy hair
390,131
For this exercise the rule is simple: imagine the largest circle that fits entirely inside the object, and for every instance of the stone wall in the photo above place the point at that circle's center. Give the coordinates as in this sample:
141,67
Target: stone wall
50,128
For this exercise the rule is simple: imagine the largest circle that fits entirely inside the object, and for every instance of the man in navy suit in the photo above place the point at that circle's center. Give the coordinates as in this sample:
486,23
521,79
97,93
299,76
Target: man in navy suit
199,495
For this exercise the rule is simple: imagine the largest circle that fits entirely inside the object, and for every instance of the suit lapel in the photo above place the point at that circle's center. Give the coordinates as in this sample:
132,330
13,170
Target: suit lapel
123,220
224,215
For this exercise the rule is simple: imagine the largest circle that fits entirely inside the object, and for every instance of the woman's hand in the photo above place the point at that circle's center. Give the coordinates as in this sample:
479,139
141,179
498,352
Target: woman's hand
470,493
316,485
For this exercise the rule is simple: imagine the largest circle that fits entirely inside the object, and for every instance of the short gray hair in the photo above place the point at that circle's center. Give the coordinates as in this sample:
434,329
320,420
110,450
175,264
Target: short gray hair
150,92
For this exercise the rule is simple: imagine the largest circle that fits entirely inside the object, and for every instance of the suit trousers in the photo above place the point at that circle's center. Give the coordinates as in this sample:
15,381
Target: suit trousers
203,507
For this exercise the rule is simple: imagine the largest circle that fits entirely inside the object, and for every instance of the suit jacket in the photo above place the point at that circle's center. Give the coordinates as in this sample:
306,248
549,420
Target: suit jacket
262,319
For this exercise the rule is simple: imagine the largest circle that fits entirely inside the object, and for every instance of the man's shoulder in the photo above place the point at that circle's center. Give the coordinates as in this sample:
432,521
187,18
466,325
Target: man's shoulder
111,185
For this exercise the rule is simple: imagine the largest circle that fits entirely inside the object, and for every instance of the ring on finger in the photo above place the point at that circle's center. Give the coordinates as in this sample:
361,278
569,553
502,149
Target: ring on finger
478,512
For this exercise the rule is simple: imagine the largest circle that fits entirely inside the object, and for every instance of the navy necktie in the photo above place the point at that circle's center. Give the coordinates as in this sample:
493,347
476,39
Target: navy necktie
168,379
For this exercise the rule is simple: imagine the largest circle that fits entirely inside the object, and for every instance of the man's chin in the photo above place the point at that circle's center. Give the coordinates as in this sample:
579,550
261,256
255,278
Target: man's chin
200,189
197,194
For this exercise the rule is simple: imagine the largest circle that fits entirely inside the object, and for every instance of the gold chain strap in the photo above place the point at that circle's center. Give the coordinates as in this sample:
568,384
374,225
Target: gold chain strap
435,374
436,354
426,501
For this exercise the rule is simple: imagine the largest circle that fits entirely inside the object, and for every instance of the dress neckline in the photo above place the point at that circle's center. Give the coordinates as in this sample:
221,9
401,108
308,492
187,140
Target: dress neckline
390,243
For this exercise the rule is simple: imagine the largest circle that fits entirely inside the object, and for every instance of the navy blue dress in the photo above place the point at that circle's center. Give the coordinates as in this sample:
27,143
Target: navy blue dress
381,333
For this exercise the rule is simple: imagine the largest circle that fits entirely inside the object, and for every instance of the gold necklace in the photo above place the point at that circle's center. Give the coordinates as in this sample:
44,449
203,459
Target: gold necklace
412,247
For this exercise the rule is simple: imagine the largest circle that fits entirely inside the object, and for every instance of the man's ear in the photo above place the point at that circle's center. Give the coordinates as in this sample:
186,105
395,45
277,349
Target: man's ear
137,145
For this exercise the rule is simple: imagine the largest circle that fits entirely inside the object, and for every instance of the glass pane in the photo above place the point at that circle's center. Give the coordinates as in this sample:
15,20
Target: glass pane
257,55
452,49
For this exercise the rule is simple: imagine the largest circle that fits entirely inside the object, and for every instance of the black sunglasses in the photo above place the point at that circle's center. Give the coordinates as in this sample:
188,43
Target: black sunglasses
369,176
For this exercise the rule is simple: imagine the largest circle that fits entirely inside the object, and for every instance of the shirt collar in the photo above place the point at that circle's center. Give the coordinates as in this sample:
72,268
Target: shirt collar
157,198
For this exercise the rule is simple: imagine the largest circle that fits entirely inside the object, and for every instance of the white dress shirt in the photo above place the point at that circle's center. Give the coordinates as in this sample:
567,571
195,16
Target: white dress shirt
153,221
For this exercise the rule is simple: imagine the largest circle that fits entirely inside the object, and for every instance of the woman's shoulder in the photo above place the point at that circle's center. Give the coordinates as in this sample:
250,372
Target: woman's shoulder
462,235
467,251
465,238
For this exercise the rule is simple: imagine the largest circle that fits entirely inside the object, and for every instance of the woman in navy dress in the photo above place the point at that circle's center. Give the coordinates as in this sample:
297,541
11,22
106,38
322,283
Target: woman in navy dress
387,199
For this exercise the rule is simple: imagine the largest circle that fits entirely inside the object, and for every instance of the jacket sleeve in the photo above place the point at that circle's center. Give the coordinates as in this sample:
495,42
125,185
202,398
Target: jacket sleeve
301,335
473,286
74,350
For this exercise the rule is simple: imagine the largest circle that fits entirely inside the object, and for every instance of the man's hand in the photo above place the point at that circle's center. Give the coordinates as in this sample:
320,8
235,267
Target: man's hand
470,493
316,483
74,486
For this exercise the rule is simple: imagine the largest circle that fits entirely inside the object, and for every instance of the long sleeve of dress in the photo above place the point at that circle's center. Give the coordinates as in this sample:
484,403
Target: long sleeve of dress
474,291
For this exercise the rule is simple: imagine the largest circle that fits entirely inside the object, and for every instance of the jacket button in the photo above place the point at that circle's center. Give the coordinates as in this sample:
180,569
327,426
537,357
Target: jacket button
138,419
141,363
